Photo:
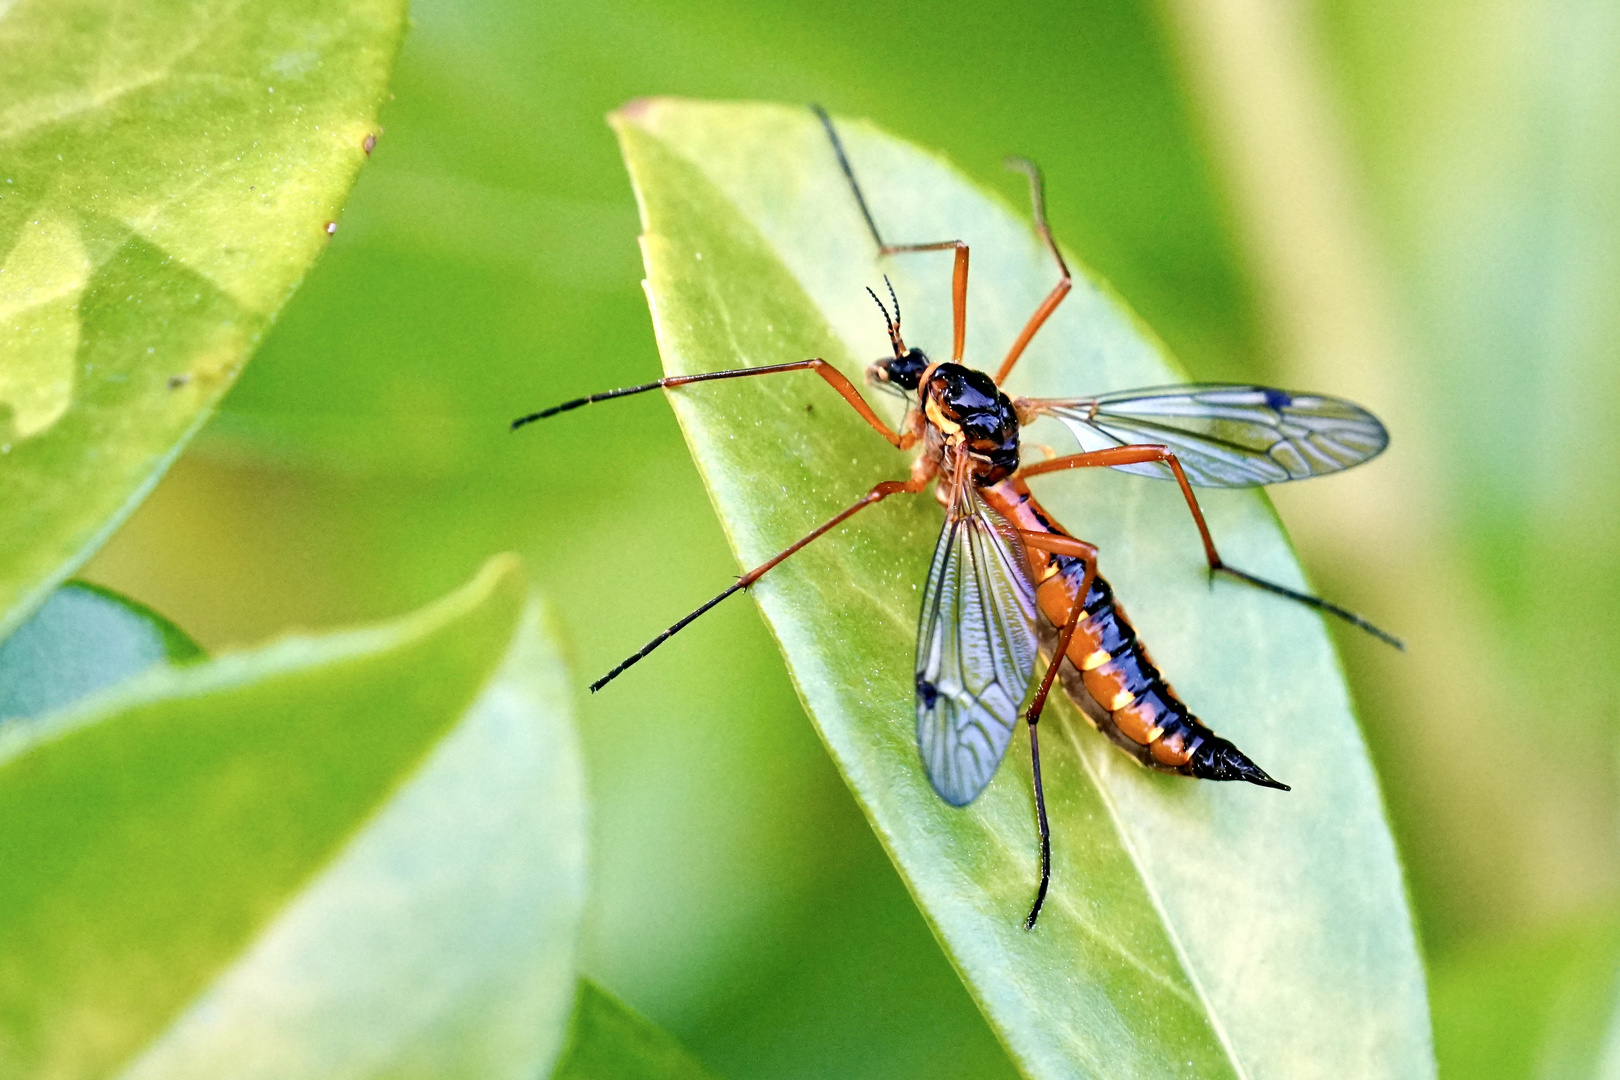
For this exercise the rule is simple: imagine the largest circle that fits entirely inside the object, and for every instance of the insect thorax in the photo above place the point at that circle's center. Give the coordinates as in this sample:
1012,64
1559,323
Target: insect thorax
969,415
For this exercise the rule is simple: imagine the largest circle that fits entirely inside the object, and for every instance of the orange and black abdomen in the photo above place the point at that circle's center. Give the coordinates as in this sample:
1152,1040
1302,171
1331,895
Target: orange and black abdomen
1108,672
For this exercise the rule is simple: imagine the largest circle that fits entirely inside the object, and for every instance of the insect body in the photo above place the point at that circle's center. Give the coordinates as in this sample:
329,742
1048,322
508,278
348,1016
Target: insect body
1109,673
1007,582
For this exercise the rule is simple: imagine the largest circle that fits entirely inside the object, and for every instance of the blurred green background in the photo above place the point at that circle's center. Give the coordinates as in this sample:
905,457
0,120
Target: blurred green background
1415,205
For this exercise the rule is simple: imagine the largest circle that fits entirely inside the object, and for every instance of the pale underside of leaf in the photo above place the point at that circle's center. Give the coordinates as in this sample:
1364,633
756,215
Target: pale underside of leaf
82,640
1194,928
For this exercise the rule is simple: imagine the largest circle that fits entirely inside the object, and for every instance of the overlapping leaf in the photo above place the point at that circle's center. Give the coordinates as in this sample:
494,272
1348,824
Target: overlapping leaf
82,639
1193,929
608,1041
358,855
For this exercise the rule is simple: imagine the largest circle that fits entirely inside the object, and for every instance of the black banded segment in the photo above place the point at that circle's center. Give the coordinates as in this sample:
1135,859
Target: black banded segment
1133,671
569,406
1155,727
1114,634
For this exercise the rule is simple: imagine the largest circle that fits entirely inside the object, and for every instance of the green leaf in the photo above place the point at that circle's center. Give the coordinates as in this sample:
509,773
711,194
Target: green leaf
353,855
609,1041
1503,314
1545,1006
167,174
83,639
1194,929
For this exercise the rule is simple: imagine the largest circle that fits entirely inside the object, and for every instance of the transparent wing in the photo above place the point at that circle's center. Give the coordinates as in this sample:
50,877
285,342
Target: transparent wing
976,649
1226,435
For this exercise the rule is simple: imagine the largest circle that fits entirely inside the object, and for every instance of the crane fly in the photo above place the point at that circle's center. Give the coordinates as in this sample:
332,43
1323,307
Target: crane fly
1007,584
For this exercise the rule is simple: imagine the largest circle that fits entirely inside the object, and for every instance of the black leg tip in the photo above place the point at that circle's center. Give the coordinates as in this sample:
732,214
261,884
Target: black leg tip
1035,908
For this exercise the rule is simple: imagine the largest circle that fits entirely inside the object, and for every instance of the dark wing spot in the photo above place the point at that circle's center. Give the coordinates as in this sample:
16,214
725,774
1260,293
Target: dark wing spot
1277,399
926,692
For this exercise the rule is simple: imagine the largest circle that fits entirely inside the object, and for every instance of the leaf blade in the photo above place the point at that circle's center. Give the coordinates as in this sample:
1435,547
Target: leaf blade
160,204
307,855
756,254
610,1041
83,639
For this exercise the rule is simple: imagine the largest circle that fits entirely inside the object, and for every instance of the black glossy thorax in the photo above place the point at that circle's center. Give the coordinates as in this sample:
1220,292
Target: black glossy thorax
973,417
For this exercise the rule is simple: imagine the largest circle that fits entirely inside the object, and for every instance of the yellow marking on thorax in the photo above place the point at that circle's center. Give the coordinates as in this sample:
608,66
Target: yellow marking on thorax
937,418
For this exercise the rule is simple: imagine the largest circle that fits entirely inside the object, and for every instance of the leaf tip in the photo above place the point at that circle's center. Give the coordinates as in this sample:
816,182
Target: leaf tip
635,111
501,581
500,571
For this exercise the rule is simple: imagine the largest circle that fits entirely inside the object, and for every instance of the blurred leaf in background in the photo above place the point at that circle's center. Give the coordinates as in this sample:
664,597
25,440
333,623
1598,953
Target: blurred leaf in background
83,639
1533,1005
608,1041
1430,197
1494,181
343,855
159,204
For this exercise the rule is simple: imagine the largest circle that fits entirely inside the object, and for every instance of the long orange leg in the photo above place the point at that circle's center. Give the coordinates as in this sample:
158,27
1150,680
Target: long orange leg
1136,455
1037,196
1087,553
959,270
959,280
876,495
833,376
